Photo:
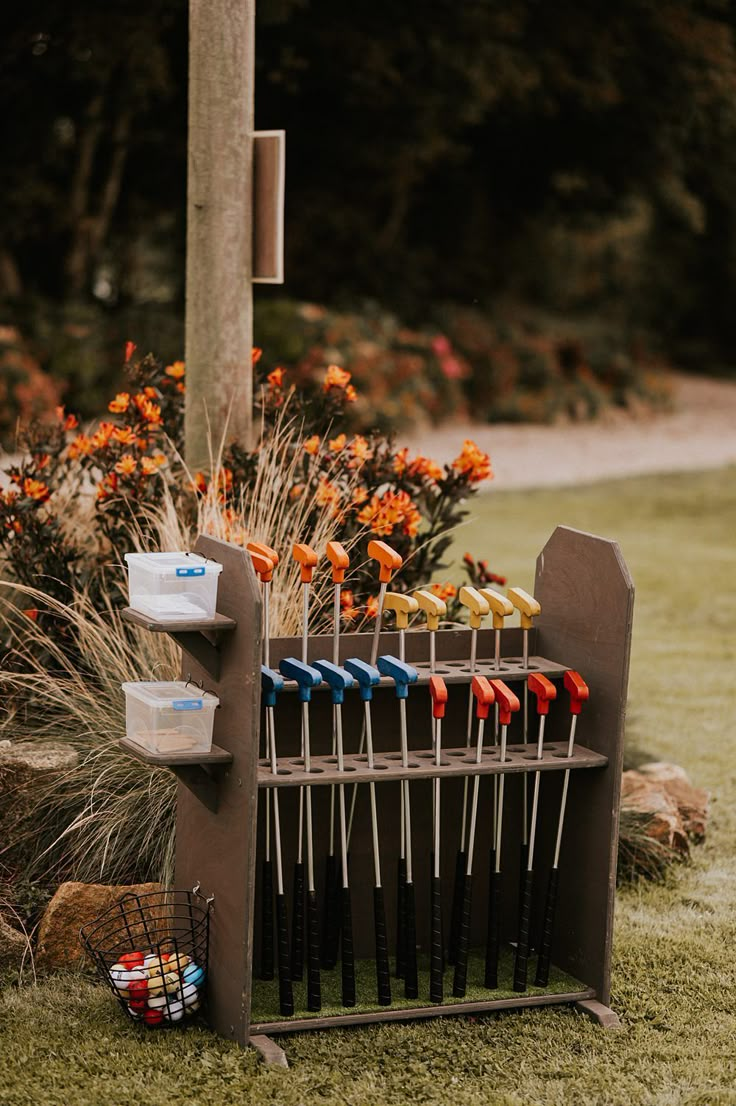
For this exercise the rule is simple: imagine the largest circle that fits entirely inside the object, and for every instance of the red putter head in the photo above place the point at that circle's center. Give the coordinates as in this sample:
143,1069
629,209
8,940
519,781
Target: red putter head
264,550
263,566
578,689
438,691
508,703
307,559
388,559
484,695
339,560
544,690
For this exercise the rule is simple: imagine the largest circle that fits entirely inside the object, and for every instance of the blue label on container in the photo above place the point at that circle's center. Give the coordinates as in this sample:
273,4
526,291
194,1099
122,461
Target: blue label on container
190,571
187,704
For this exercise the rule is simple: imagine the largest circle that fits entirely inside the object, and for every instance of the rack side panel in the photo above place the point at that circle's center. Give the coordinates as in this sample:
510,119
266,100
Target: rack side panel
587,599
218,849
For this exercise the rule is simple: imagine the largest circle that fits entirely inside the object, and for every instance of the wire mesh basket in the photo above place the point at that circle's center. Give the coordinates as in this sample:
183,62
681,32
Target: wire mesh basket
151,950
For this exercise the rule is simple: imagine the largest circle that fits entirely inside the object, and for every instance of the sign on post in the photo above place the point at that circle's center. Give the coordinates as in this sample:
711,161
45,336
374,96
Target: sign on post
269,169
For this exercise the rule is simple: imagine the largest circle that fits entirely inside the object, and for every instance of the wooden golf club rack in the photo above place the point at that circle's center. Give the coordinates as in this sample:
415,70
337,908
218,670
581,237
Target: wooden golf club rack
586,597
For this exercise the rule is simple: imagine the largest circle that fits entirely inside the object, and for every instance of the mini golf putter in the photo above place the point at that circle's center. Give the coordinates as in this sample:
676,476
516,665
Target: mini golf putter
579,693
306,678
544,691
500,608
438,693
367,677
528,608
507,704
338,680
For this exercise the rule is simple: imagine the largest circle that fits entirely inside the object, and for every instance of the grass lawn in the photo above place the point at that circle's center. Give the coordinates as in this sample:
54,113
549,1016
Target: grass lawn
674,979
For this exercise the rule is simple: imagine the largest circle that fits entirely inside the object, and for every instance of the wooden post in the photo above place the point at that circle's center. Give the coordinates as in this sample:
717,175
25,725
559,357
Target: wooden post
219,297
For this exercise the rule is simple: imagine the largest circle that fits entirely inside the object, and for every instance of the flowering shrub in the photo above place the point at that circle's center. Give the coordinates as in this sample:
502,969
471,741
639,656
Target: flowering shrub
123,468
26,392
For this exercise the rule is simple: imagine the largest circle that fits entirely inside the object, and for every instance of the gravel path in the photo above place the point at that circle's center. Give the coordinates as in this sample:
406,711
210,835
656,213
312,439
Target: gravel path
699,434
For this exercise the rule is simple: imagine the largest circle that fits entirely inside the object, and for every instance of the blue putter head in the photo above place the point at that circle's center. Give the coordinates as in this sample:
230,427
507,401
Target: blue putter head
401,673
305,676
271,685
337,678
366,675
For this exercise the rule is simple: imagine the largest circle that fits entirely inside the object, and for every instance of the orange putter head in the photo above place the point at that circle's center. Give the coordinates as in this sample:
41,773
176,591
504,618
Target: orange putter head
388,559
484,694
264,550
544,690
339,560
262,565
305,556
438,691
507,701
578,689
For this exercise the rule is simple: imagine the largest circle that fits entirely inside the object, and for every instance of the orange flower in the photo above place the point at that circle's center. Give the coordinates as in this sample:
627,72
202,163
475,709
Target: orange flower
36,489
130,348
148,466
424,466
327,495
337,444
126,466
150,392
350,394
151,413
336,378
391,510
159,459
176,371
349,614
400,461
473,463
101,437
296,492
444,591
181,387
107,486
276,378
200,483
371,607
124,435
311,445
360,450
41,460
347,599
255,355
81,446
32,613
359,496
120,404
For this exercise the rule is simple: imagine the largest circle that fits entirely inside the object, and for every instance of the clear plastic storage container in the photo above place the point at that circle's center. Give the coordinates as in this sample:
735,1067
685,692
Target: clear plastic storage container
169,717
171,586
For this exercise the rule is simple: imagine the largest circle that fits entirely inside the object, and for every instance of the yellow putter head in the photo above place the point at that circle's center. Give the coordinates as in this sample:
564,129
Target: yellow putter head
476,603
526,604
500,606
403,605
434,607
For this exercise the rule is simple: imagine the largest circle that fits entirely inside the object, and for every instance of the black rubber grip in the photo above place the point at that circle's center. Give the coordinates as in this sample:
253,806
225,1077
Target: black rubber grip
411,983
347,960
286,993
521,963
437,953
401,919
314,987
267,920
330,914
493,942
297,924
545,948
383,971
457,905
460,983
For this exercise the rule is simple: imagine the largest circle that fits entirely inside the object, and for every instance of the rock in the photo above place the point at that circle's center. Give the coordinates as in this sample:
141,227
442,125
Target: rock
73,905
13,946
692,802
647,796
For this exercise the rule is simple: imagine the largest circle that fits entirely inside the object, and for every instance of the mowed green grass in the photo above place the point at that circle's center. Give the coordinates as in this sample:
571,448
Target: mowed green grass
674,979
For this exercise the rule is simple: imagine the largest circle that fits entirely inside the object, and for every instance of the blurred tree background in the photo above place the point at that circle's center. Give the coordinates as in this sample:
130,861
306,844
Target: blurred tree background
511,159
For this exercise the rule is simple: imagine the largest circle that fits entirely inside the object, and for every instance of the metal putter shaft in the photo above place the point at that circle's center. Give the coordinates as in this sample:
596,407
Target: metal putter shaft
404,607
528,608
579,694
338,681
438,692
508,704
271,684
306,558
263,565
306,678
544,691
330,935
403,674
367,677
484,697
478,608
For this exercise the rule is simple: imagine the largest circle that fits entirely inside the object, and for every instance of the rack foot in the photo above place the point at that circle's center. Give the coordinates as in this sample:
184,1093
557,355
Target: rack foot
597,1012
270,1052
